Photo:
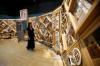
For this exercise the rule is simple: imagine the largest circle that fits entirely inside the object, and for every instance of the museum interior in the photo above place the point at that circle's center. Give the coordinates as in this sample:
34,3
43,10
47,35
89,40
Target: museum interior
66,32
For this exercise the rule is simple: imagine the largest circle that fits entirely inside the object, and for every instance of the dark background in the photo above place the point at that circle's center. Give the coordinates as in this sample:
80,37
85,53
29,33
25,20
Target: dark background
12,7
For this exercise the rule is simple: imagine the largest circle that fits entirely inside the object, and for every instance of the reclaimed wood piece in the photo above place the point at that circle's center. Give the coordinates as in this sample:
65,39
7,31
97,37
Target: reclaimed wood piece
64,41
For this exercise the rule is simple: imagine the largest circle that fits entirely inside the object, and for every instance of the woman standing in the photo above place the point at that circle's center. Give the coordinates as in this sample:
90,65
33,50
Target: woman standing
31,42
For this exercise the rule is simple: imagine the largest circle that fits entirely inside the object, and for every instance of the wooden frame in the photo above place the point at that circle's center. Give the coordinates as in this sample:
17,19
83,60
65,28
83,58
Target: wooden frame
92,27
93,13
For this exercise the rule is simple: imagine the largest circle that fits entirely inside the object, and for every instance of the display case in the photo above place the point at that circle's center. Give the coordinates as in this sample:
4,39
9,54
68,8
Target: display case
81,13
82,7
68,34
92,43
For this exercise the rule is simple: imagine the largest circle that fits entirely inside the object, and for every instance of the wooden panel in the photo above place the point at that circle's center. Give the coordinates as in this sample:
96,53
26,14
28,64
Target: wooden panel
72,5
64,41
90,17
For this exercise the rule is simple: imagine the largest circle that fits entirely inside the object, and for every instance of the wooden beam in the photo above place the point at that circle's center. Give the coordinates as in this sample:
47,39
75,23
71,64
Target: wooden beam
72,5
66,6
73,21
50,20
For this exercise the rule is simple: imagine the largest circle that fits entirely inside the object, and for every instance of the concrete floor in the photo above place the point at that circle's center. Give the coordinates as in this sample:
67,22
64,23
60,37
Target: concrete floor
13,53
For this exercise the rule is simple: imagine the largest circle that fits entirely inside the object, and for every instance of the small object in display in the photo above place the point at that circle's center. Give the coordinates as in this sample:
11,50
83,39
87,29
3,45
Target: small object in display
23,14
76,56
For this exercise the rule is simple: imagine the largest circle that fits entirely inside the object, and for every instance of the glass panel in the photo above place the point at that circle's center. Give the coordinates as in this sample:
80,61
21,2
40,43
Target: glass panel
81,9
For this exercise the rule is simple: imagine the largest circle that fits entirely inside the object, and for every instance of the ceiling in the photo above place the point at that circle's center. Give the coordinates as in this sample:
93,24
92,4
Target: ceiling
12,7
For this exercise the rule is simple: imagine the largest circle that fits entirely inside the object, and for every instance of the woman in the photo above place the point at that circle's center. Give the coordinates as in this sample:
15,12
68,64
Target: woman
31,42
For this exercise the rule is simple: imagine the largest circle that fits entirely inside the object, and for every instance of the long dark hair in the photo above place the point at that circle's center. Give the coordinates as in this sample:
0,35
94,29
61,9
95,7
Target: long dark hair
30,26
